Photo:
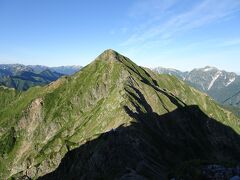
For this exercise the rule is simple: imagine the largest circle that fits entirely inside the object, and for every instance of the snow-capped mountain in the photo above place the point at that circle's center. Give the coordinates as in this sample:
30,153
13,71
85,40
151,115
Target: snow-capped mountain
210,78
171,71
223,86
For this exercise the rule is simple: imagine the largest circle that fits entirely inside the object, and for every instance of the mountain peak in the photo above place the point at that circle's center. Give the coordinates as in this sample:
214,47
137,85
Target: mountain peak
209,68
109,55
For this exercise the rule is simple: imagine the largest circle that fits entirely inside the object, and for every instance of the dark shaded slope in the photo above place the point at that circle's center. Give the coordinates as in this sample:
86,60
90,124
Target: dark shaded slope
156,126
152,146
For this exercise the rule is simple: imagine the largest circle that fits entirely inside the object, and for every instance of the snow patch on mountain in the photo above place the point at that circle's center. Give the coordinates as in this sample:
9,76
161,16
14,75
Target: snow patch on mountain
214,78
231,80
208,68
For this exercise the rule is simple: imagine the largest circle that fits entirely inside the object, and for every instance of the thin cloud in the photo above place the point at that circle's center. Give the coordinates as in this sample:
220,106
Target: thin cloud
230,42
201,14
143,8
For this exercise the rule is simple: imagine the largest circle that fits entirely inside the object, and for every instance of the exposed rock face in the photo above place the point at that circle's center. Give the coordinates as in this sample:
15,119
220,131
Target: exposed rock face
223,86
112,120
33,116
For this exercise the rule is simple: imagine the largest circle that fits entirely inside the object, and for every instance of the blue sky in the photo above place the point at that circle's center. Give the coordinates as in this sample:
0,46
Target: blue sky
181,34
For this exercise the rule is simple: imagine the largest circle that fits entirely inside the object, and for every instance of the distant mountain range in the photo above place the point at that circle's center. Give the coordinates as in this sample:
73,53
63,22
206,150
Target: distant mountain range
10,69
66,70
23,77
223,86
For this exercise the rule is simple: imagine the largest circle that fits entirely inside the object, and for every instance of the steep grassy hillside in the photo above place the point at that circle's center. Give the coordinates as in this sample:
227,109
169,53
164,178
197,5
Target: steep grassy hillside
7,96
112,109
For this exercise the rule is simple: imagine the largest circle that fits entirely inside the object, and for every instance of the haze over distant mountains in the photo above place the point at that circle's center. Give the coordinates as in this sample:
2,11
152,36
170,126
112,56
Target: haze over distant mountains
11,69
223,86
22,77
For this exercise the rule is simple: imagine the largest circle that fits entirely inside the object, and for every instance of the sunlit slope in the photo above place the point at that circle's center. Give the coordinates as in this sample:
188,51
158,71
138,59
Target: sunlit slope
42,124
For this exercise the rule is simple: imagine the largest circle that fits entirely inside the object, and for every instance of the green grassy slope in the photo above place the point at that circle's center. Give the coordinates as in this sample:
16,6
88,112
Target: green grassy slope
41,125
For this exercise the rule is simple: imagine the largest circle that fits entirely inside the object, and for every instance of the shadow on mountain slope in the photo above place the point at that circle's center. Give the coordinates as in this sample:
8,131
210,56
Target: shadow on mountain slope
151,147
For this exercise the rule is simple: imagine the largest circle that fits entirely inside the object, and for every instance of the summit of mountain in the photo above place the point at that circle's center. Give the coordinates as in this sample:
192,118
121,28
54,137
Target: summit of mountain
146,124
